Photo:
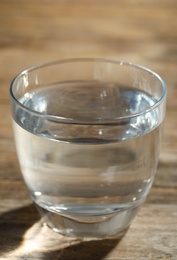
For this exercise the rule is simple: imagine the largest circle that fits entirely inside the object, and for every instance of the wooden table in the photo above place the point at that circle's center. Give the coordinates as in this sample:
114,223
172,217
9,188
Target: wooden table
33,32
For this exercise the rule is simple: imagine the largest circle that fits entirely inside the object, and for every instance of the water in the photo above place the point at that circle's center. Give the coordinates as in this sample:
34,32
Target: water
85,178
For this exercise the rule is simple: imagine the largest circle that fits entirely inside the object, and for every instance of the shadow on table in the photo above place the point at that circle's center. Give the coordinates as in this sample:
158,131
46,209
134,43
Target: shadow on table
23,236
13,225
91,250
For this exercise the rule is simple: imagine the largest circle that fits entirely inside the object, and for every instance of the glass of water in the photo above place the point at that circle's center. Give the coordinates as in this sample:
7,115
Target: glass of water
87,134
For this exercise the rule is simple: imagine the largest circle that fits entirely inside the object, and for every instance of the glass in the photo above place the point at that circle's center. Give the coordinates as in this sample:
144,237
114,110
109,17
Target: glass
87,134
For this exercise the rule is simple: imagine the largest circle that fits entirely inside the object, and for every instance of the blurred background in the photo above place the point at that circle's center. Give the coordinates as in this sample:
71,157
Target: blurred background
35,31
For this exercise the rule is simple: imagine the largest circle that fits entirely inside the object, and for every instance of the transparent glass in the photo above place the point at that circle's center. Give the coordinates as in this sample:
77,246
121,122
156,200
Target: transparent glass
87,134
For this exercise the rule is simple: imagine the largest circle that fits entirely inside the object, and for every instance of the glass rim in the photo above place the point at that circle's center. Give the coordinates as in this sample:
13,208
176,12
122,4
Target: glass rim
94,121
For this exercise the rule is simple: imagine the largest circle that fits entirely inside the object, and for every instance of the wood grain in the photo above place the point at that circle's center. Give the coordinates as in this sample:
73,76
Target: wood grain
33,32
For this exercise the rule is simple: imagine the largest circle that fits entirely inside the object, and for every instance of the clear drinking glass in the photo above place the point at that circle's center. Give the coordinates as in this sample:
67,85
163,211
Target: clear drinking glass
87,134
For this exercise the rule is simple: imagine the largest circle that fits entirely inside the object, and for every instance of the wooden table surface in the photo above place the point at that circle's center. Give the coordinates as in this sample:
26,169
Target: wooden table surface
141,31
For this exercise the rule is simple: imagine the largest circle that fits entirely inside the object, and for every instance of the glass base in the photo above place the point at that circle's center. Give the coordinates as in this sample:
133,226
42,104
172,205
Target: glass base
107,226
